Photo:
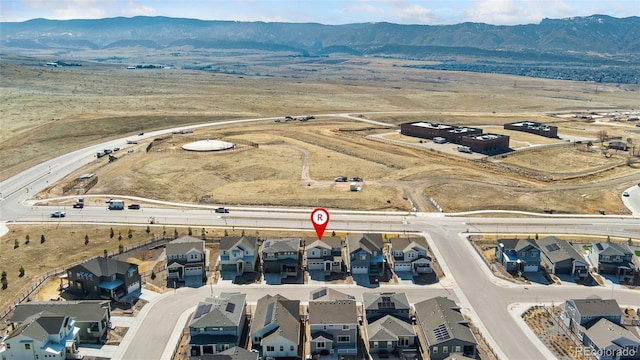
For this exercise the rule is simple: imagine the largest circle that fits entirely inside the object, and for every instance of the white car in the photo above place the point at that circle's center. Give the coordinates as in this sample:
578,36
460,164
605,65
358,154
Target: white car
625,194
58,214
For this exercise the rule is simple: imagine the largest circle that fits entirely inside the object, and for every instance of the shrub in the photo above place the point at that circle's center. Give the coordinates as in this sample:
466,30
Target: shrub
21,271
153,275
27,239
42,239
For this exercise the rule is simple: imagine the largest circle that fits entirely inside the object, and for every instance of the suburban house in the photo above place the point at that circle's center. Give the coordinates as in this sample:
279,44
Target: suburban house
518,255
560,257
390,334
186,261
365,254
585,312
333,323
41,336
238,254
217,324
444,329
325,255
281,256
611,340
409,254
378,305
91,317
105,278
616,259
275,327
234,353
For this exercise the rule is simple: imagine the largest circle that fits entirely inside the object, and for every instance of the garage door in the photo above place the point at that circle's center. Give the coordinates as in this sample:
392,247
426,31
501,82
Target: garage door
133,287
530,268
360,270
193,271
402,267
315,265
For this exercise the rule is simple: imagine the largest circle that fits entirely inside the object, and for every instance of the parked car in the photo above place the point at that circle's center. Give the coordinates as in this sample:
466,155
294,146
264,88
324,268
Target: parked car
341,179
58,214
222,210
134,207
625,194
116,149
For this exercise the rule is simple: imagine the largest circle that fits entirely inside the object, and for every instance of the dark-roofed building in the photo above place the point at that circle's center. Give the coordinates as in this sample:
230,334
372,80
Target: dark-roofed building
234,353
429,130
487,144
333,323
518,255
329,294
105,278
239,254
365,254
611,341
325,255
410,254
533,127
186,261
618,145
585,312
281,256
611,258
275,326
377,305
444,329
391,334
217,324
41,336
92,317
560,257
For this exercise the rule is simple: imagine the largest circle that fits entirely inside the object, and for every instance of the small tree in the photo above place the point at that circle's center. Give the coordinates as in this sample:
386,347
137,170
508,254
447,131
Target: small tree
164,231
203,233
603,136
153,275
119,236
226,233
608,238
4,275
130,234
105,252
5,283
333,233
27,238
111,233
86,239
175,233
242,233
16,244
120,248
536,236
589,145
189,231
21,271
629,242
148,229
42,239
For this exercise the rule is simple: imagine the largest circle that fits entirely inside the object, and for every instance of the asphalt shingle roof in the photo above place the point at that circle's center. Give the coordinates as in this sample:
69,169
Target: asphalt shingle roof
81,310
605,333
283,312
224,310
281,245
366,242
557,250
389,328
184,244
228,242
407,243
333,312
101,266
443,316
374,301
328,294
597,307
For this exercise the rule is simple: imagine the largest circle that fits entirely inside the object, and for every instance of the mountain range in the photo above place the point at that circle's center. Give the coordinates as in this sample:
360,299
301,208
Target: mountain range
598,38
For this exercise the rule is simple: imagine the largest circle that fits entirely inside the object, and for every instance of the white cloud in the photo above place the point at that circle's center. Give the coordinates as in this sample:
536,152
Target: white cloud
70,9
135,9
415,14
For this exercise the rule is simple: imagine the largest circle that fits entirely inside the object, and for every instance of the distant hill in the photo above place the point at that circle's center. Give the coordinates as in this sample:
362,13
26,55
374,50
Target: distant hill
597,37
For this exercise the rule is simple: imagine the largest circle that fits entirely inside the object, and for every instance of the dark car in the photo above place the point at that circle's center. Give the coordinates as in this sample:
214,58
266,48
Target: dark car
134,207
78,205
222,210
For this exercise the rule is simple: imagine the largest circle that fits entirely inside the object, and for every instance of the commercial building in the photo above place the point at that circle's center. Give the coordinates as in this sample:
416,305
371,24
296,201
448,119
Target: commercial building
533,127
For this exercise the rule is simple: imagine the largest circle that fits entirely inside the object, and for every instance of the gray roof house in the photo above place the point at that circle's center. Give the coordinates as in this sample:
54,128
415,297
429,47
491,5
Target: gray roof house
377,305
42,335
324,255
613,258
105,278
186,261
585,312
560,257
92,317
275,326
409,254
281,256
391,334
444,329
234,353
608,338
365,254
217,324
518,255
328,294
333,323
238,254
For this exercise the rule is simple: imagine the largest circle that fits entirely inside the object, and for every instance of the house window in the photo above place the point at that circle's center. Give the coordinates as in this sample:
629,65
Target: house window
344,338
291,348
345,327
375,344
404,342
271,348
257,339
27,346
434,350
445,349
411,255
534,254
457,349
320,345
281,347
8,345
363,257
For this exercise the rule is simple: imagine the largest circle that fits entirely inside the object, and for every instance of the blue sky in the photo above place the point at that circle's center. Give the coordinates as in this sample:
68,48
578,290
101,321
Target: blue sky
426,12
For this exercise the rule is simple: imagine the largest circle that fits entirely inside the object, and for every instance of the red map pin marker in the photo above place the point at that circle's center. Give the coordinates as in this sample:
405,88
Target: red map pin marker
320,220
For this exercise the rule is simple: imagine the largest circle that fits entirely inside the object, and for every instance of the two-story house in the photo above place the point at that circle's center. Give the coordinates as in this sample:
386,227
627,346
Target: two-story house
560,257
91,317
325,255
105,278
186,262
281,256
238,254
409,254
275,327
217,324
41,336
333,322
611,258
611,341
446,332
377,305
388,323
366,254
585,312
518,255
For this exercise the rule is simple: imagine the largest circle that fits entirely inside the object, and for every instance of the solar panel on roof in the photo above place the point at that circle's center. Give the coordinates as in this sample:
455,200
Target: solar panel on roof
441,333
267,318
552,247
320,293
599,246
230,307
201,310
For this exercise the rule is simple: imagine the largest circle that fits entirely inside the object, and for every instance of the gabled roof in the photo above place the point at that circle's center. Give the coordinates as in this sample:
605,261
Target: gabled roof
367,242
234,353
328,294
405,244
280,311
331,241
385,301
517,244
81,310
440,320
184,244
605,333
101,266
333,312
272,246
228,242
39,326
389,328
557,250
597,307
612,249
224,310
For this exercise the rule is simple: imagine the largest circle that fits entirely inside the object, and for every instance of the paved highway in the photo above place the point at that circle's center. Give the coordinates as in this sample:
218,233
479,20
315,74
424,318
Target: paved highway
484,297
